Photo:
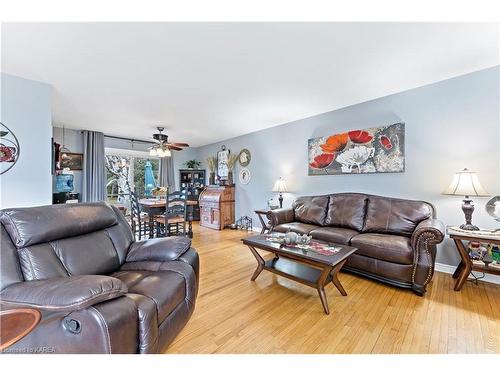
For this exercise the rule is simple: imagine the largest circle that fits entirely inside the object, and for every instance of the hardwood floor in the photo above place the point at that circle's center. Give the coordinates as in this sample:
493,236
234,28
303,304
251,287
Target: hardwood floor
276,315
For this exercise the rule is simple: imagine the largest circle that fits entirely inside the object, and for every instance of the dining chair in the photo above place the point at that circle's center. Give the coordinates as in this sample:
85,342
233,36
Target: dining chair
140,221
173,221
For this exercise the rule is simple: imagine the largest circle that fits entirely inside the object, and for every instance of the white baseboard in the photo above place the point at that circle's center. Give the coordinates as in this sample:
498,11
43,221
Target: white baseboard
446,268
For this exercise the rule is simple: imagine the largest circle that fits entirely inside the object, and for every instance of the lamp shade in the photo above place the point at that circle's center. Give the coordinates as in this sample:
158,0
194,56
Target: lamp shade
280,186
466,183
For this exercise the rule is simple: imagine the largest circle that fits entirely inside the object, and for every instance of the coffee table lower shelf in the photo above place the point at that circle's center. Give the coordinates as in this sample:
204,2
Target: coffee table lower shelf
294,271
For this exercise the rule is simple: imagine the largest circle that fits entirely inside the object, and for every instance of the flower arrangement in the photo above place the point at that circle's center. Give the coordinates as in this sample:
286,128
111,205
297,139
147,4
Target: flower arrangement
231,161
212,163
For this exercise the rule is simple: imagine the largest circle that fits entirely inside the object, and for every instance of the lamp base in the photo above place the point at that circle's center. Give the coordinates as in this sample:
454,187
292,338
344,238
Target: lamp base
468,227
280,198
468,209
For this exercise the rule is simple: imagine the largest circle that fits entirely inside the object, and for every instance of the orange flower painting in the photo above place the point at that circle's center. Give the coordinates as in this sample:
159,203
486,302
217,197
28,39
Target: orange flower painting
374,150
335,143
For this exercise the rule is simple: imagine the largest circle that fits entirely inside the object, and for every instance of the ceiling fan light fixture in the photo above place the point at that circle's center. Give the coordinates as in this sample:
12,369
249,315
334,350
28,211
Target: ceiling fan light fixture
163,148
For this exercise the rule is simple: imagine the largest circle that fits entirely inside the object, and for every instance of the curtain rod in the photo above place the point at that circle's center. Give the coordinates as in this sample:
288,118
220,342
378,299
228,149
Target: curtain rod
129,139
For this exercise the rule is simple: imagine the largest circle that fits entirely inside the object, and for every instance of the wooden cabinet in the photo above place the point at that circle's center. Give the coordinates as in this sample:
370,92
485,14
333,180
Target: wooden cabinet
192,182
217,207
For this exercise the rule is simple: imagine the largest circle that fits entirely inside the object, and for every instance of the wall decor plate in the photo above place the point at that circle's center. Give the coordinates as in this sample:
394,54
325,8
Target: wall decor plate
374,150
9,149
245,176
244,157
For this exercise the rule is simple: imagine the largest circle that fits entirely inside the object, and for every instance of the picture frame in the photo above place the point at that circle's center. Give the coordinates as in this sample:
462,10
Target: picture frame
222,160
245,176
244,157
379,149
72,160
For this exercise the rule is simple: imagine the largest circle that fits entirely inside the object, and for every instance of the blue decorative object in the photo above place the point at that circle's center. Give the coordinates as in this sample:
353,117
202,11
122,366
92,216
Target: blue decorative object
149,179
64,183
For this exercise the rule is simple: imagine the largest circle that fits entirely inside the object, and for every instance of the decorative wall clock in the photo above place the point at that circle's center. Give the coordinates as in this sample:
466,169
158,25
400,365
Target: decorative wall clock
244,157
9,149
245,176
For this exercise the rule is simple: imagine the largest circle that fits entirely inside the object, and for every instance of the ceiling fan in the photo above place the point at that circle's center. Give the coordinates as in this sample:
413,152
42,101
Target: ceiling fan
163,147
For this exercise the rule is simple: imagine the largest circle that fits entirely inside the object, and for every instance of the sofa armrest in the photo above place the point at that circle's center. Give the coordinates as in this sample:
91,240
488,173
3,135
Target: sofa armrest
63,293
158,249
426,236
281,216
431,229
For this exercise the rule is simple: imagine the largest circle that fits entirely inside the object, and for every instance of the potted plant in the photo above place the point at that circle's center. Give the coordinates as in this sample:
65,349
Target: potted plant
212,167
193,164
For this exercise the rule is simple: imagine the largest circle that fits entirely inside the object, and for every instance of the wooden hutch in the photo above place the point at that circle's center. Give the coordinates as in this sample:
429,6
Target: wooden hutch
192,182
217,206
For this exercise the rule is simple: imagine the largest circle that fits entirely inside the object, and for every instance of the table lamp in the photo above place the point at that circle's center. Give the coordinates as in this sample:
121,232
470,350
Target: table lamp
280,187
467,184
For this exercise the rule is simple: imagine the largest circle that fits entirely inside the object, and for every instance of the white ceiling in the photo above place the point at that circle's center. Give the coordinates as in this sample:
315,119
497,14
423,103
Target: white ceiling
211,81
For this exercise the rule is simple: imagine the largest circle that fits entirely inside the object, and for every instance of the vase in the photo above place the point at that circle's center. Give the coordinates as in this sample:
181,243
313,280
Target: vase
211,179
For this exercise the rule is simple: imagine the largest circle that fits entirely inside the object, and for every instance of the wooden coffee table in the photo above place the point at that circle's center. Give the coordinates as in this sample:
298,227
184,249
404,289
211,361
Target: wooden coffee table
306,266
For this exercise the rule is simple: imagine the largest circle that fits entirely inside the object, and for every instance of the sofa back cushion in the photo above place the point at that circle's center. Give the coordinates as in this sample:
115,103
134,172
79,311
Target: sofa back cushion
396,216
33,225
67,239
88,254
10,271
311,210
346,210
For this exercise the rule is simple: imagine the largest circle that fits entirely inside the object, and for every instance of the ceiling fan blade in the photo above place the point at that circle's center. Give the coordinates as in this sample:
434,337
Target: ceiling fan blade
180,144
174,148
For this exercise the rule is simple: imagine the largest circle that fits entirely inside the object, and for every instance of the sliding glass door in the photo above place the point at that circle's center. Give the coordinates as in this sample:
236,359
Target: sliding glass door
129,169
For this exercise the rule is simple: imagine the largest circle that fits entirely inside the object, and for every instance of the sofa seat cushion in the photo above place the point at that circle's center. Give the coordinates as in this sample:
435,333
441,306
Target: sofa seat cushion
295,226
166,289
334,235
387,247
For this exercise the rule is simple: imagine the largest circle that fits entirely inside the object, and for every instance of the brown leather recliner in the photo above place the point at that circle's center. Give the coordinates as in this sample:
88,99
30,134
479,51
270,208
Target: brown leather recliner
396,238
98,289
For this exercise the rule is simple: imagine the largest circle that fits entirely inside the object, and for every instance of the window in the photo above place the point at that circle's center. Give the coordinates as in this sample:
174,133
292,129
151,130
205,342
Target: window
128,169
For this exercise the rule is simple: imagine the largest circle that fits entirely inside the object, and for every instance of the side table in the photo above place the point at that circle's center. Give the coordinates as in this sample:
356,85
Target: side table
265,224
466,265
15,324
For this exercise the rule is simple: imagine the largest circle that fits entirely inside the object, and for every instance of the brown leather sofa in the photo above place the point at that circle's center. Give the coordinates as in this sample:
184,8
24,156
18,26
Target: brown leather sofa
396,238
98,289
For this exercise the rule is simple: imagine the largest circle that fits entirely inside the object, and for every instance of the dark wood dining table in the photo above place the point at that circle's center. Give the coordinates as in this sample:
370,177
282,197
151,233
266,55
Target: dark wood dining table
154,206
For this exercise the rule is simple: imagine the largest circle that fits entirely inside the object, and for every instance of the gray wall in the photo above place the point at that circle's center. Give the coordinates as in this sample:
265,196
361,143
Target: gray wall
449,125
73,140
26,110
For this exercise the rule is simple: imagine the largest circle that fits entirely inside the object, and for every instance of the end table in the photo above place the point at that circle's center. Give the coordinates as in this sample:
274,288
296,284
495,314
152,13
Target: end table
466,265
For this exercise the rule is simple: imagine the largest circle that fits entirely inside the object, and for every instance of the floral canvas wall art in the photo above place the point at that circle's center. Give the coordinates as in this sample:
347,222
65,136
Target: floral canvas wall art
374,150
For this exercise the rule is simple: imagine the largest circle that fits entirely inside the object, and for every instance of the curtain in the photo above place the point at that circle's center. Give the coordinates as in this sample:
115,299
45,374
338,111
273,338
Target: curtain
94,172
166,173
